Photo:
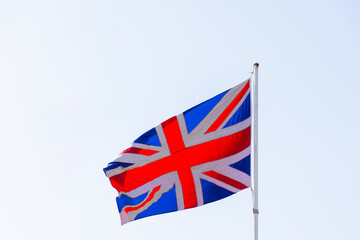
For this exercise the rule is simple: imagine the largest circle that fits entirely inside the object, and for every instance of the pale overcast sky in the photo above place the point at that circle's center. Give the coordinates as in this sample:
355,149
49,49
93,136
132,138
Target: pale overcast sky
80,80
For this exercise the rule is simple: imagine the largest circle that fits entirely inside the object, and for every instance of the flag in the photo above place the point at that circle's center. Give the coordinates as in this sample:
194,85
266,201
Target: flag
199,156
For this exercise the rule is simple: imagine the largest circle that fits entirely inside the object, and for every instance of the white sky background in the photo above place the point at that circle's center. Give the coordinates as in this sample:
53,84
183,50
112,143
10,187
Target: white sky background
80,80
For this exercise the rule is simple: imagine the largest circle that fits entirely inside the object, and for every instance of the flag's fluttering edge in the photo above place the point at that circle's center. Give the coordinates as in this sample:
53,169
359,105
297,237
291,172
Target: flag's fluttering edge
197,157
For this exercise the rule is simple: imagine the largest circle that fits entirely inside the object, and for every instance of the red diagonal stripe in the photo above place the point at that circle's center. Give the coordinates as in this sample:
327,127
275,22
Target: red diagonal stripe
149,198
226,180
229,109
147,152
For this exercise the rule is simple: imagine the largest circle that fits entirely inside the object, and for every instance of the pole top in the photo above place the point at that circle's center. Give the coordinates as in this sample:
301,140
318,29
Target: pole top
256,64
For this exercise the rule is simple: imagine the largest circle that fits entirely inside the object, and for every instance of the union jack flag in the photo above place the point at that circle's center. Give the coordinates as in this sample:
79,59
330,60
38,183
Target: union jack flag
197,157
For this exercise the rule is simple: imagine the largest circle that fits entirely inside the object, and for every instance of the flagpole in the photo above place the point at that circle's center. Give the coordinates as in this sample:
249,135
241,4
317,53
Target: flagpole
255,124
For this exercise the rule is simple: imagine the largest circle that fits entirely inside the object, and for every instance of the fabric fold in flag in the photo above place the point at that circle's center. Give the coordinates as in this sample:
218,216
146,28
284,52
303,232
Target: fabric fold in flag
199,156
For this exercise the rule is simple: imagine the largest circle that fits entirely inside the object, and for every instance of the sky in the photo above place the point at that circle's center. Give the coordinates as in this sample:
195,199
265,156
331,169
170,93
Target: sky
80,80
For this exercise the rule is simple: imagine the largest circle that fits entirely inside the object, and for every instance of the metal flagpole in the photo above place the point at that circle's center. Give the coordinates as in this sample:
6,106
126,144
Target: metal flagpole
255,151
